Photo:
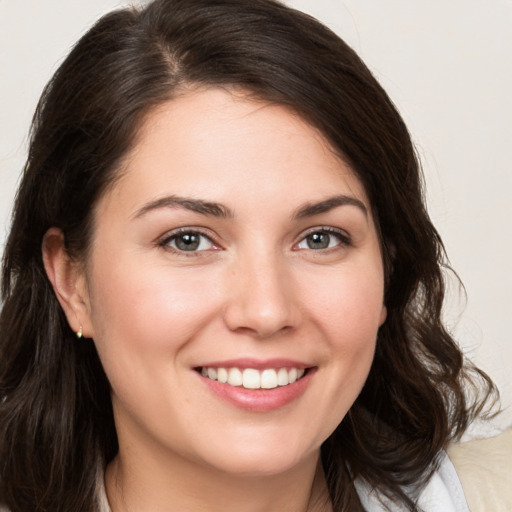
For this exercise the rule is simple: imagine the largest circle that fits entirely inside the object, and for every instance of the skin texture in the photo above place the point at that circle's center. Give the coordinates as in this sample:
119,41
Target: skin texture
254,289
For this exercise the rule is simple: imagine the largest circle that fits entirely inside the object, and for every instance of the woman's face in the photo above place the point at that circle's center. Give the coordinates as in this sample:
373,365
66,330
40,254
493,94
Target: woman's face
235,254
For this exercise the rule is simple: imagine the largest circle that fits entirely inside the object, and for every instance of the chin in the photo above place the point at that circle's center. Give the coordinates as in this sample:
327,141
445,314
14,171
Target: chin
249,461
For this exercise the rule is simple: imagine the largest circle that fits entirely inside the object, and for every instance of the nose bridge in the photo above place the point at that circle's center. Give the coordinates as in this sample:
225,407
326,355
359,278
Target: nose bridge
260,299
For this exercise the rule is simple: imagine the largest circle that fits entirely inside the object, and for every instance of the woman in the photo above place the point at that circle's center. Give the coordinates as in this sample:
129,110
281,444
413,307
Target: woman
221,287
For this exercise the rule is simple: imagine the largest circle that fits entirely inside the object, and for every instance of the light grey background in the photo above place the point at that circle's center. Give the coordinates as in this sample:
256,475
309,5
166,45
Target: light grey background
447,66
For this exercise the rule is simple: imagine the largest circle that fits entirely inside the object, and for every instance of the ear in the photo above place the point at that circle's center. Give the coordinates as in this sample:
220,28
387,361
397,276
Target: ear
68,281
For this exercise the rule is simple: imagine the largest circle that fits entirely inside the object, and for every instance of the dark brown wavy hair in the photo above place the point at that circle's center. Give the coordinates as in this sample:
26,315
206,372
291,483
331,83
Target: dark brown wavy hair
56,421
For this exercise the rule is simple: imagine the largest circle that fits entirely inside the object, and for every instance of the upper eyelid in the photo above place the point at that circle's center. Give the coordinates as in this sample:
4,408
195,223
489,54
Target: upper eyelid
187,229
170,235
328,229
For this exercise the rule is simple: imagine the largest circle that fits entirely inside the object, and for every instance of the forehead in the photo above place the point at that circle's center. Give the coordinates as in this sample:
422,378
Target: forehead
211,142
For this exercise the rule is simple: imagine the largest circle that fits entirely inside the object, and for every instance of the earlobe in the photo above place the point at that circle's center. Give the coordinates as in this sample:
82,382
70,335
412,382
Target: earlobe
68,281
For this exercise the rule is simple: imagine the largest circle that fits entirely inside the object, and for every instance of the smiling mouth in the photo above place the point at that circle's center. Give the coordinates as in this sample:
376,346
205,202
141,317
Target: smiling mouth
250,378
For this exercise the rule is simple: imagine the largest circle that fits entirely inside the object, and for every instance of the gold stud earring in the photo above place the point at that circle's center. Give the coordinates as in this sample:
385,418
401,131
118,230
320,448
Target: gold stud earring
79,333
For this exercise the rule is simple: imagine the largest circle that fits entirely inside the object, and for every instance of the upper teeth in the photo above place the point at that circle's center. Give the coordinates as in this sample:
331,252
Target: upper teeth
250,378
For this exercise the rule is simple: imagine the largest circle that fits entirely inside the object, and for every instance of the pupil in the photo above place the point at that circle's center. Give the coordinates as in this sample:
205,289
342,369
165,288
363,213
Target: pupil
318,241
188,242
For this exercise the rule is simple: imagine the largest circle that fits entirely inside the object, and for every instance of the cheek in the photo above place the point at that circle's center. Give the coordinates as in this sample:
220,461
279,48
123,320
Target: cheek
142,326
352,343
349,313
141,311
349,306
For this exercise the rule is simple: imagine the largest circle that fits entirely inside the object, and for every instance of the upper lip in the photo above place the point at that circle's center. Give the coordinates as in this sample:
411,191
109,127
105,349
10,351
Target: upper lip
257,364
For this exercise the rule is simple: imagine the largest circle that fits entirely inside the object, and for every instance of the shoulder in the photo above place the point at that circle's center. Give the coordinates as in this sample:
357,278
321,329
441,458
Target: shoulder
443,493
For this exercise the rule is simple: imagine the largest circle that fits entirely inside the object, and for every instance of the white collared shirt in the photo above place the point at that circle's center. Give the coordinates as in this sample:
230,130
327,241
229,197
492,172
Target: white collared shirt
443,493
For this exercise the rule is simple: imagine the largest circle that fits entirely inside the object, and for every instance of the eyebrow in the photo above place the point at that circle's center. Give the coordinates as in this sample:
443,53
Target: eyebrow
195,205
219,210
311,209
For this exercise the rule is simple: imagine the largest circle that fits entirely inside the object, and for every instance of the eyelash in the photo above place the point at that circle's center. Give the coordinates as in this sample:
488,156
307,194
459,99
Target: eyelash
169,238
343,237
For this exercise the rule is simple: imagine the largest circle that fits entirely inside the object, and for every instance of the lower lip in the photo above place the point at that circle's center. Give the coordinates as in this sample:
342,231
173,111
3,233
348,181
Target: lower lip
260,400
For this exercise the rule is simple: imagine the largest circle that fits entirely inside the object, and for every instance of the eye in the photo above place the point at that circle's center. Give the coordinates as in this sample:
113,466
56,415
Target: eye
188,241
322,239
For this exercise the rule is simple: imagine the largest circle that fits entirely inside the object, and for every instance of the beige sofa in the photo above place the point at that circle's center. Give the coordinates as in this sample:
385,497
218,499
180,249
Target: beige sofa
484,467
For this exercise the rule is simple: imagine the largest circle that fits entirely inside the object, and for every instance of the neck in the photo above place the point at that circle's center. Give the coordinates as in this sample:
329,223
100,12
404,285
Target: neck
143,486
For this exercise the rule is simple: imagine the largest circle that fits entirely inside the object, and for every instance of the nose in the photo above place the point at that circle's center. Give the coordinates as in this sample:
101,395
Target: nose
261,298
